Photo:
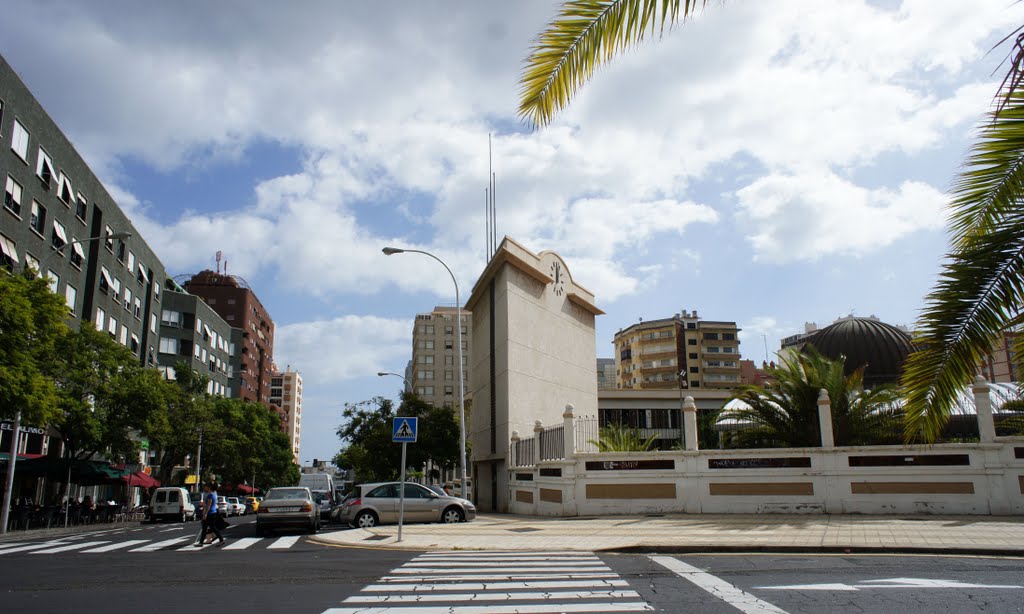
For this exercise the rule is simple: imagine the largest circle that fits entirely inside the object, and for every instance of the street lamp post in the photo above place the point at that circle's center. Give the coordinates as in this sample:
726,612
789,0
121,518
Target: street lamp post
408,386
388,251
6,507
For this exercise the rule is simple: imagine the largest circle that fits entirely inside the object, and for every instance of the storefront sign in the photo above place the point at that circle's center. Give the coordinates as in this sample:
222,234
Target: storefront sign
630,465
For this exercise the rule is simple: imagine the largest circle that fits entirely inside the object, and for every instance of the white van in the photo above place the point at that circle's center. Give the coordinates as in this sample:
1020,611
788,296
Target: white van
172,503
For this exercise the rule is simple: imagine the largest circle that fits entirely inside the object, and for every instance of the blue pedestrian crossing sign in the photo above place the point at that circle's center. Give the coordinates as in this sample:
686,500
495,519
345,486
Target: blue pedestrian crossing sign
404,430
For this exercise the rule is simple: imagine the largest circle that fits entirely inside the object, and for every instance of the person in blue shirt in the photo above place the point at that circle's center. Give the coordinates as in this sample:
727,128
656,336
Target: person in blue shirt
211,518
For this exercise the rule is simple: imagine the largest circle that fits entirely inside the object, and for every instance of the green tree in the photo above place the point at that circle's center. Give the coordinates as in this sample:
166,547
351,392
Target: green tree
175,432
621,438
106,396
245,439
786,413
980,290
32,322
366,437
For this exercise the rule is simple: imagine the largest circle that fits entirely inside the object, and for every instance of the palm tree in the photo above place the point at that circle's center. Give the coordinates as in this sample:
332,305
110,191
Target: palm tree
621,438
786,413
980,291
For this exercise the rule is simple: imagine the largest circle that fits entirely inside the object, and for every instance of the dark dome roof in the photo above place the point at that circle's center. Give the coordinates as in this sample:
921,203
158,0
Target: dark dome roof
880,347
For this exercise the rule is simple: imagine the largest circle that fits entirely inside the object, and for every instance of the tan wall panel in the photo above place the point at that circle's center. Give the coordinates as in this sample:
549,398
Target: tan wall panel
524,496
763,489
550,495
912,488
631,491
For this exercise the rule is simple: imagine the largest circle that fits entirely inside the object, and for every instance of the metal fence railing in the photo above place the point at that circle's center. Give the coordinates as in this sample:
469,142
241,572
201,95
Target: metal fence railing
552,443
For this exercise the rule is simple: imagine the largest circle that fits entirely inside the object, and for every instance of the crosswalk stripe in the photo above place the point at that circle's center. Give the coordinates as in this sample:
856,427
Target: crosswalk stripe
160,545
284,542
639,606
28,548
493,586
242,543
403,570
192,547
495,578
116,546
506,559
472,553
12,545
68,547
609,594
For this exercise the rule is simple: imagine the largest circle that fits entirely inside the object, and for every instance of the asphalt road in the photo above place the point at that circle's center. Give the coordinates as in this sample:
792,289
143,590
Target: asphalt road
154,568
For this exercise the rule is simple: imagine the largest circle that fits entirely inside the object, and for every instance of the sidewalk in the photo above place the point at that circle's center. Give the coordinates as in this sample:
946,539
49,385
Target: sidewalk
985,535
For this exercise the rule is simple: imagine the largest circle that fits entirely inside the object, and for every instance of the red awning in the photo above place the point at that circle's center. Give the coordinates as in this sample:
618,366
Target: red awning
140,479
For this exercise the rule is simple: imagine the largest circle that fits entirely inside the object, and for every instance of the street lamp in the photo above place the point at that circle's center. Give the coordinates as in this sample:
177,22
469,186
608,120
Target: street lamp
5,506
408,386
388,251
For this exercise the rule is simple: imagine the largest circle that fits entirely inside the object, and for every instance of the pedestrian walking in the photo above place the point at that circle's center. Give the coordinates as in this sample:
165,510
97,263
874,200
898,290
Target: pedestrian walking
211,516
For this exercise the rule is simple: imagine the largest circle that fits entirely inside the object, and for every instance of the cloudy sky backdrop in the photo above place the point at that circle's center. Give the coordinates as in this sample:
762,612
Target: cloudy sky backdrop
769,163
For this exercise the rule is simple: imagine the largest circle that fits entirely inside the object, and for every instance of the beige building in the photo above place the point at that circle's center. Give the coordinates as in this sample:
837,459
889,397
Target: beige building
286,393
682,350
435,357
997,364
533,352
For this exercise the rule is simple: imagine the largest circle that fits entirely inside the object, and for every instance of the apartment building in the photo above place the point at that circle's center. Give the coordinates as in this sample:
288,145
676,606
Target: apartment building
435,357
253,360
58,219
193,332
606,374
286,394
681,351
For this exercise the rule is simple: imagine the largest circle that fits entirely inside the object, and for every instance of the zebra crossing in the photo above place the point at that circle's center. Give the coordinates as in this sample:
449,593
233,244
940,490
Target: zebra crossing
496,582
102,542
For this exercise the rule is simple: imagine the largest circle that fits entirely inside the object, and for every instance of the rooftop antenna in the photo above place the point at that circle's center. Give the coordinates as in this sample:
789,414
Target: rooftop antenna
490,204
219,254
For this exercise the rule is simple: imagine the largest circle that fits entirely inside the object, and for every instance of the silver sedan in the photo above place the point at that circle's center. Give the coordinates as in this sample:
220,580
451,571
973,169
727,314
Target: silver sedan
374,504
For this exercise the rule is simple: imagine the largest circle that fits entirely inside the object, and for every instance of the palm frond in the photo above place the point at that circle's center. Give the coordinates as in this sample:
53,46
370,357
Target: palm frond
981,287
584,35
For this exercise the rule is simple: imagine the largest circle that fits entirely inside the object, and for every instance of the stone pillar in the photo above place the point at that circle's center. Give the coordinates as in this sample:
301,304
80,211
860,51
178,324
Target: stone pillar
690,423
983,408
513,452
828,440
538,428
569,423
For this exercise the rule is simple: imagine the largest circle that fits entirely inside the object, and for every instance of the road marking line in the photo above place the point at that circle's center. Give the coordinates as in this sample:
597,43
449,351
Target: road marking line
523,558
284,542
737,598
509,577
518,609
242,543
31,547
69,547
171,529
464,565
117,546
159,545
607,594
491,586
13,545
429,570
473,553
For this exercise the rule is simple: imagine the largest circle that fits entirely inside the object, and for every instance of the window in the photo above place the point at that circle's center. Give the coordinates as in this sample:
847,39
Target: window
81,207
107,240
59,237
425,375
124,335
168,345
116,287
112,326
54,281
122,249
429,344
728,336
77,253
8,255
71,295
12,196
694,369
710,336
134,345
428,329
31,262
101,317
105,280
38,220
693,355
44,168
137,308
463,329
196,351
64,191
428,390
464,344
426,360
448,375
131,262
152,322
127,299
448,345
691,342
19,141
449,330
448,390
449,360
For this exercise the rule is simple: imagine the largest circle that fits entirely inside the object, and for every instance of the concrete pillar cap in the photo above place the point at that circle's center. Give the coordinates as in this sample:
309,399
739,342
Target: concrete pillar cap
823,396
538,426
515,435
568,411
689,404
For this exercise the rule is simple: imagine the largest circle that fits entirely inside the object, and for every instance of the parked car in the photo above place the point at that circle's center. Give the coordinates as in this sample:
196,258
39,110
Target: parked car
236,507
373,504
252,504
171,503
288,507
325,501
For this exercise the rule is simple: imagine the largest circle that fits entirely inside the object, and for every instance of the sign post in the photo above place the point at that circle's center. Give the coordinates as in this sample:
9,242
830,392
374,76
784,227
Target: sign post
403,431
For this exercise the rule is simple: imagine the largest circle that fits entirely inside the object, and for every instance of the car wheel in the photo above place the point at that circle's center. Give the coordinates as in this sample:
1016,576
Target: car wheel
366,520
451,515
314,527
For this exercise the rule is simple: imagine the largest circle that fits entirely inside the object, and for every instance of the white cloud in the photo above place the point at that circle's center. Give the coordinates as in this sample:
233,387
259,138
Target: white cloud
343,348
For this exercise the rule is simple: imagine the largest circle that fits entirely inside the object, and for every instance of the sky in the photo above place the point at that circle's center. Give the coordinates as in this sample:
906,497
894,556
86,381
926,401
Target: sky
768,163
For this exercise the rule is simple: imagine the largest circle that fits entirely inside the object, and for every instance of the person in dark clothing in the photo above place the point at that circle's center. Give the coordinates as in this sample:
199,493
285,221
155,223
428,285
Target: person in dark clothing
211,516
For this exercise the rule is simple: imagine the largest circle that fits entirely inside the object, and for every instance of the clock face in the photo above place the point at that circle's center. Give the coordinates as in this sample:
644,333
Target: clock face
558,276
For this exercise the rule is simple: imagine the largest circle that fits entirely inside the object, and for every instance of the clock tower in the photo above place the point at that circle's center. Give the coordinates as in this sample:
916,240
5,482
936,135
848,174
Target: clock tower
533,352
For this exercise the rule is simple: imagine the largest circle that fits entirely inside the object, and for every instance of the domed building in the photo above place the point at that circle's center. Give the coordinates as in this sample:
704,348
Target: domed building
869,342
